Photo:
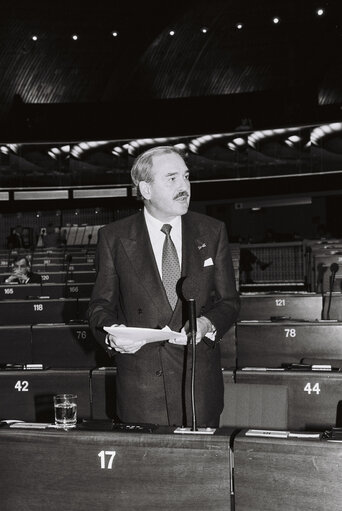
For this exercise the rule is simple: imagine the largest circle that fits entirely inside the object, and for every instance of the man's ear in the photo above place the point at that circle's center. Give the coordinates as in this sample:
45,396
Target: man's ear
145,189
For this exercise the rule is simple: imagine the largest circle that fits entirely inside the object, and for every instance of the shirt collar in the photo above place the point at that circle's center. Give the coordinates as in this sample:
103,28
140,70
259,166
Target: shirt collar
154,223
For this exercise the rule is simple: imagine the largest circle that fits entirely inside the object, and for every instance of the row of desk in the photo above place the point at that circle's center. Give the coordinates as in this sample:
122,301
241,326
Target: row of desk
250,344
100,467
302,400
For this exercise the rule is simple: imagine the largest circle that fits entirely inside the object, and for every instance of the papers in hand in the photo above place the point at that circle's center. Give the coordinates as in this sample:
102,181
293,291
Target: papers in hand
143,334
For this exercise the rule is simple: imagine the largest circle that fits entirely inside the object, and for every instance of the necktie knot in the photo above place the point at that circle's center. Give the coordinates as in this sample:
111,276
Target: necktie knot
166,229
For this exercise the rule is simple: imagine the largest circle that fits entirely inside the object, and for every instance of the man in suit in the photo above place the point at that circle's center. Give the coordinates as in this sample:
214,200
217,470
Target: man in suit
22,273
138,286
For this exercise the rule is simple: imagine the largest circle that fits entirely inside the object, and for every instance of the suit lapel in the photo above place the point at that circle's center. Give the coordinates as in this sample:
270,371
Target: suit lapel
192,260
139,250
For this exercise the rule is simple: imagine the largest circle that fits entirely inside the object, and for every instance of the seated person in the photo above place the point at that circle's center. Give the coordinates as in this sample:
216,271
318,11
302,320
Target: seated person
22,273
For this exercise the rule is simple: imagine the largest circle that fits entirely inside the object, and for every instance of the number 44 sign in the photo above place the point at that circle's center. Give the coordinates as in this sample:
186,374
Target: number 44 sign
312,388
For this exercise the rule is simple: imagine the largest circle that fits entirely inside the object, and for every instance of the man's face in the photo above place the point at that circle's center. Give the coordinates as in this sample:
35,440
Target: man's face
168,194
21,266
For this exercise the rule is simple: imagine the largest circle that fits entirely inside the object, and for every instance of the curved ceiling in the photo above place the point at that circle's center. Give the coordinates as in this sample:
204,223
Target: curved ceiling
207,55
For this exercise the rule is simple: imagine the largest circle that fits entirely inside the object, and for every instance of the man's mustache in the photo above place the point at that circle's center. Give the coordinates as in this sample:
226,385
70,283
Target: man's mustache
180,195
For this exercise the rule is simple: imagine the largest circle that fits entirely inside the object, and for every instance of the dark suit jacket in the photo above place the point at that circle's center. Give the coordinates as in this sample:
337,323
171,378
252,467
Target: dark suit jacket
153,385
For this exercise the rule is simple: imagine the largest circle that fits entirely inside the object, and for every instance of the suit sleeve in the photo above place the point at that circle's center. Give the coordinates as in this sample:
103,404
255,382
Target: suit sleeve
226,304
103,306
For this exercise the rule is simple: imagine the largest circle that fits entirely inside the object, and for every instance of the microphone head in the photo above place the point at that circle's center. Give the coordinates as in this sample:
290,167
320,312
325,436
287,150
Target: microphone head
187,287
334,268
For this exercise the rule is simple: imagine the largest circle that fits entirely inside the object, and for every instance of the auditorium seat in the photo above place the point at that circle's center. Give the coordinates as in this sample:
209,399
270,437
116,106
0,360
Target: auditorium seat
314,397
270,344
67,346
28,394
259,306
15,344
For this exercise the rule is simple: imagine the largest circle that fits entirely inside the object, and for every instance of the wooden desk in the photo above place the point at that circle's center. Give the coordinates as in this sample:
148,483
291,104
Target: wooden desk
106,470
273,474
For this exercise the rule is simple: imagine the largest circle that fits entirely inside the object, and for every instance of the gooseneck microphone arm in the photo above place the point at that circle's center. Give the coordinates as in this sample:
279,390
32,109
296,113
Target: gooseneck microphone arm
193,332
333,270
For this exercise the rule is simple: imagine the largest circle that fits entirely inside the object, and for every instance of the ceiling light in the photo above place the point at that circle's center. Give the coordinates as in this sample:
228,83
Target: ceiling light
172,32
34,38
276,20
204,30
239,26
75,37
320,12
115,34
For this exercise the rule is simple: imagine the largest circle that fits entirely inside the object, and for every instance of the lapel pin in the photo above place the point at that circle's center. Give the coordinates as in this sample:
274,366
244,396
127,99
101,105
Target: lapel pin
201,246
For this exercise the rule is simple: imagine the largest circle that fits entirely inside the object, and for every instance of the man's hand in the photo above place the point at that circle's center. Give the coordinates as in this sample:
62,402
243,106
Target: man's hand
203,325
122,345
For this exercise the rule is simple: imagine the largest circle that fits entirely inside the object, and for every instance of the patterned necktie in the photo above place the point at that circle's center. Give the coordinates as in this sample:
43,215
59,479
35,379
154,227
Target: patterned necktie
170,266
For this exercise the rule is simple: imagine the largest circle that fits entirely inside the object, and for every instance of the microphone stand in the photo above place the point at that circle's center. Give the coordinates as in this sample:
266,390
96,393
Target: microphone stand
193,331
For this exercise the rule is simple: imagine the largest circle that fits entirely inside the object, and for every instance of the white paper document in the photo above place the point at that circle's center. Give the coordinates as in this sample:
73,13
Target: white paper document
143,334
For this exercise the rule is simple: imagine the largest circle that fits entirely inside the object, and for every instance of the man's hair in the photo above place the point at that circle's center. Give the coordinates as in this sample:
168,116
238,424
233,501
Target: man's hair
141,169
19,257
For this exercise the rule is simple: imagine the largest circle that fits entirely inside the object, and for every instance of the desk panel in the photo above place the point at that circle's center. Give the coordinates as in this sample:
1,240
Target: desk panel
261,306
314,398
287,475
67,346
102,471
58,290
23,312
15,344
28,394
268,344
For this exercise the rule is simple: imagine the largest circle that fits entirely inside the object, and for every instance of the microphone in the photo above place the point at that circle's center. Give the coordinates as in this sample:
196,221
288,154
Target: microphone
321,269
68,261
193,332
89,240
333,270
